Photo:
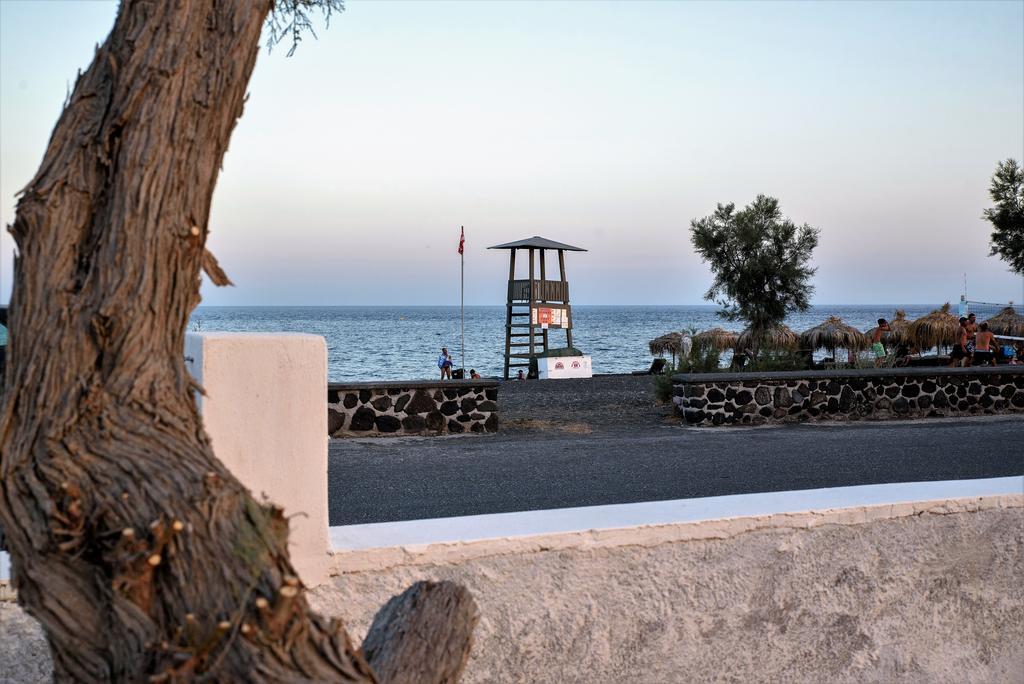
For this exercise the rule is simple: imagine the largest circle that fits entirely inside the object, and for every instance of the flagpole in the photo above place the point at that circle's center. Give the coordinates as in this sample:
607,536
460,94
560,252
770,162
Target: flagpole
462,297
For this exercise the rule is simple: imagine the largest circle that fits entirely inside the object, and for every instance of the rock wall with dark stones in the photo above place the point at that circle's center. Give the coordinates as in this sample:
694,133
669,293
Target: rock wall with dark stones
412,408
863,394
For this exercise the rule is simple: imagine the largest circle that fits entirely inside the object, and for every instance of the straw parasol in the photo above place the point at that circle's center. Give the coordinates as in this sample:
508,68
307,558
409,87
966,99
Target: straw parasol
716,338
833,334
937,329
778,337
670,342
1007,322
900,327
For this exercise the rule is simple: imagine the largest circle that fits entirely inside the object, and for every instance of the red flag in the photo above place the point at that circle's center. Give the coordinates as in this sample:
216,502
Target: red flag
462,239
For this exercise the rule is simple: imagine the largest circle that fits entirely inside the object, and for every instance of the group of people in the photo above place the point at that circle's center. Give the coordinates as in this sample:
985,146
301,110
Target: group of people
975,344
445,363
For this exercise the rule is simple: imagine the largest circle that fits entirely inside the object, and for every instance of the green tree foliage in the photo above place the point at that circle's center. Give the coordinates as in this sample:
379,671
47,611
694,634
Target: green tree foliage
291,18
760,262
1007,216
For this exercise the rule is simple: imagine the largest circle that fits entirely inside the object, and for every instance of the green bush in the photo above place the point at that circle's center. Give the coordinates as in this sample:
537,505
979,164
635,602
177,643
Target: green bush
704,360
699,360
663,385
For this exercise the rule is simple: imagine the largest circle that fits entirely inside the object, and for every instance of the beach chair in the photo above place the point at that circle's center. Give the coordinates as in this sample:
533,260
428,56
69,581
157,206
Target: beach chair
657,367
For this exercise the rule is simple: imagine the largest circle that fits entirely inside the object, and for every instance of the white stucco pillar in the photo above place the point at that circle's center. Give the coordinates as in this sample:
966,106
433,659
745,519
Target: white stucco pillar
265,410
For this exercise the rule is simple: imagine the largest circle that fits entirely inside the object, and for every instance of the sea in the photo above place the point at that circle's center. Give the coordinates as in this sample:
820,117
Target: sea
403,342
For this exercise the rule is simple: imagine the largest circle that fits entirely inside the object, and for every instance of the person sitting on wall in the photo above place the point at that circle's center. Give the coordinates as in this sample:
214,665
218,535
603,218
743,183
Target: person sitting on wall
444,362
1001,352
473,375
904,353
1015,354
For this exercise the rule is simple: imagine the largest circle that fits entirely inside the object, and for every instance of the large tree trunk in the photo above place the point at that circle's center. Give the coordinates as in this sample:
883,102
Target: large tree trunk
140,554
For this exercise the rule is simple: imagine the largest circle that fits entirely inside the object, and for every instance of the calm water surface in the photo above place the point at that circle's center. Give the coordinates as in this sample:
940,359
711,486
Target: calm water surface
402,343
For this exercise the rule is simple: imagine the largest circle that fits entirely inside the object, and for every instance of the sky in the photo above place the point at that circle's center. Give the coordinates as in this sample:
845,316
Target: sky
608,125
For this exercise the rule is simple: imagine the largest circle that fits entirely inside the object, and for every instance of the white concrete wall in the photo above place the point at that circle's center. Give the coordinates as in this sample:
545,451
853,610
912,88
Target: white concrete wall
919,582
886,590
264,411
569,527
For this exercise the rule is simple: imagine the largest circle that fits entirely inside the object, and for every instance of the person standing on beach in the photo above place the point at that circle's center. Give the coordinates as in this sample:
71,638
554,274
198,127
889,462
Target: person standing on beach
983,346
877,345
444,362
972,333
958,356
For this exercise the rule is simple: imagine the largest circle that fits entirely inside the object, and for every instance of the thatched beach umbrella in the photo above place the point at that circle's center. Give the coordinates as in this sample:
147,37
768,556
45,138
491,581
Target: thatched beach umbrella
937,329
900,327
1007,322
779,338
716,338
833,334
670,342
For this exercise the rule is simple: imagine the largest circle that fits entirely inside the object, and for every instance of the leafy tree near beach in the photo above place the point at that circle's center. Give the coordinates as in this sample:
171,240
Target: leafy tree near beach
1007,216
141,555
759,260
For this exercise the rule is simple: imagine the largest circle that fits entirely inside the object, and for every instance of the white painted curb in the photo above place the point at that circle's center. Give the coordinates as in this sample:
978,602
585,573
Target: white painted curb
651,513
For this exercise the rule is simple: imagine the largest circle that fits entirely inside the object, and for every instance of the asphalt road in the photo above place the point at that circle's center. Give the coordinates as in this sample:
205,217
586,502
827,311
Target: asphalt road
377,480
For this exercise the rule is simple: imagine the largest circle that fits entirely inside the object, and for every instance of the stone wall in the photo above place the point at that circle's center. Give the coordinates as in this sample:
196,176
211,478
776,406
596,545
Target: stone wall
755,398
412,408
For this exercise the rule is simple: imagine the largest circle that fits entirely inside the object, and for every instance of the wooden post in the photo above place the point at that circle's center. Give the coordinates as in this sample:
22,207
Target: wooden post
561,273
508,314
462,299
543,277
532,300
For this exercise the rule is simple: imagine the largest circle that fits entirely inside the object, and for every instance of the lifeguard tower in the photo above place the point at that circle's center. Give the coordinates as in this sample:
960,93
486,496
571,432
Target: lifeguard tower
535,308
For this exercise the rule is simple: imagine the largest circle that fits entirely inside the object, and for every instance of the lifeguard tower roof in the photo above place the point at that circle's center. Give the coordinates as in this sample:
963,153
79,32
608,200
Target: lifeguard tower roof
537,242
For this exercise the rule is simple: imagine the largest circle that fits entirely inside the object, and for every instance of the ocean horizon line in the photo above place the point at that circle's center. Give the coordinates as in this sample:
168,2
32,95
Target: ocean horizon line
502,305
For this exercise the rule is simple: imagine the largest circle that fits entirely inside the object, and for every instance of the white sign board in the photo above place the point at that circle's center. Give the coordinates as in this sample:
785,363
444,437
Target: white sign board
564,367
549,317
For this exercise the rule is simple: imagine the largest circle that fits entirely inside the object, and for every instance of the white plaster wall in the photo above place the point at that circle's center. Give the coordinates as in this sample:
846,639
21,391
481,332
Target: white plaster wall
906,592
918,591
265,414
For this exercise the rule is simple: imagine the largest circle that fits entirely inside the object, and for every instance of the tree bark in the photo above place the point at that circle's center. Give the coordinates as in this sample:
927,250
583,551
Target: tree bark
423,635
137,550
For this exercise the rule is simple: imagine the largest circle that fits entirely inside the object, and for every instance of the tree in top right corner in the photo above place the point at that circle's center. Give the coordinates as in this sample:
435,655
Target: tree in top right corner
1007,216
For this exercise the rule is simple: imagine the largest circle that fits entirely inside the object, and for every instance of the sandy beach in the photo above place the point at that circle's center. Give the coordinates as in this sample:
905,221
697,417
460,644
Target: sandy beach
604,403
